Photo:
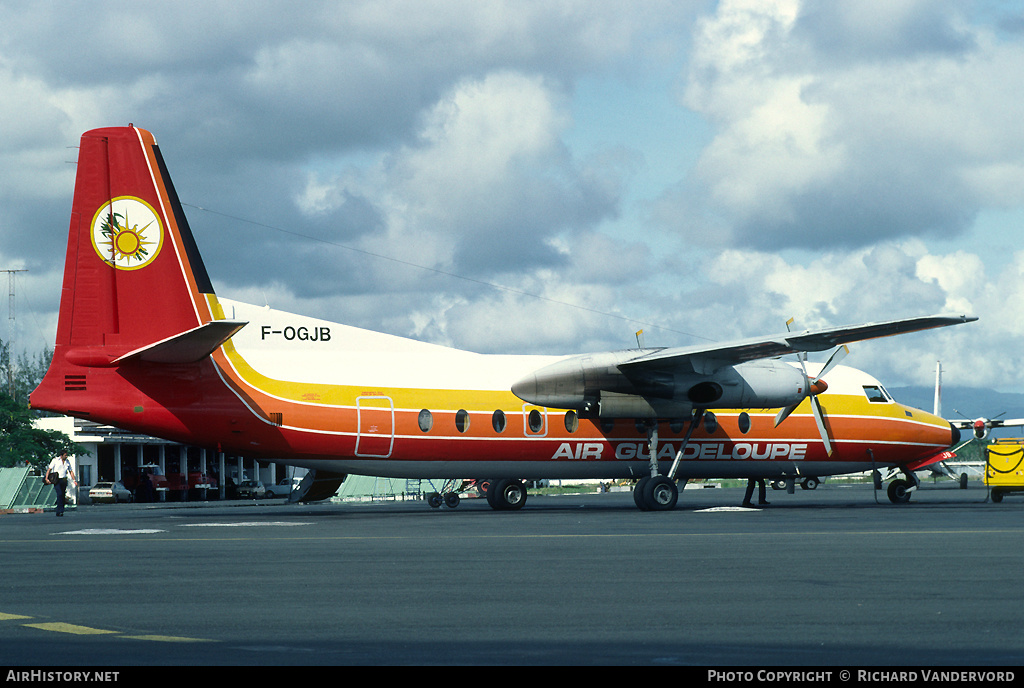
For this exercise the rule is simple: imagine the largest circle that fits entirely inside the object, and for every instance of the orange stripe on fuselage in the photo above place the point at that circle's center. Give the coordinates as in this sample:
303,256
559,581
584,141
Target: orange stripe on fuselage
321,415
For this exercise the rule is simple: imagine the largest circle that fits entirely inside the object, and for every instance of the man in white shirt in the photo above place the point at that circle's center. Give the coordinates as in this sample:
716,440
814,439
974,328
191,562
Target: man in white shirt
57,475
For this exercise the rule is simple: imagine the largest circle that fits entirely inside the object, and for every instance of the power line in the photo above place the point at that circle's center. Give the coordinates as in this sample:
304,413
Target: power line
492,285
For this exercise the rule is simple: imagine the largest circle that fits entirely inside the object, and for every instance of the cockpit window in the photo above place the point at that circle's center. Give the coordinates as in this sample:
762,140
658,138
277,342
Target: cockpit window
876,394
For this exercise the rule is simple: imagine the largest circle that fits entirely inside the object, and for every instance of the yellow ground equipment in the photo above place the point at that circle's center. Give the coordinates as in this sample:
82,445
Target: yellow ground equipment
1004,467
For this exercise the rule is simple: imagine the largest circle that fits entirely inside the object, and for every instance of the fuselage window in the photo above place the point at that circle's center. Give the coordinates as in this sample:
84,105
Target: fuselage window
498,421
426,420
536,421
462,420
572,422
744,422
876,395
676,425
607,425
710,423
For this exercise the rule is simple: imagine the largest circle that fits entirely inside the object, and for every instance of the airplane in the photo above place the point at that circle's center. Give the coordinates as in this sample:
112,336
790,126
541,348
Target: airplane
979,428
145,344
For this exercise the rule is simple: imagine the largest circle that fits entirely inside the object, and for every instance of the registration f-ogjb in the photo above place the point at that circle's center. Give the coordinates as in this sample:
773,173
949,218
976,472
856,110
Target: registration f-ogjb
144,343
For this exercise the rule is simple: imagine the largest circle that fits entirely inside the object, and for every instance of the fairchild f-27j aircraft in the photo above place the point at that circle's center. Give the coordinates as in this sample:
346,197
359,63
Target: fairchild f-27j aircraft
144,344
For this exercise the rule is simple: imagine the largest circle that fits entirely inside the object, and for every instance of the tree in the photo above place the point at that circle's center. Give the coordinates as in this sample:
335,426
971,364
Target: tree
20,441
28,371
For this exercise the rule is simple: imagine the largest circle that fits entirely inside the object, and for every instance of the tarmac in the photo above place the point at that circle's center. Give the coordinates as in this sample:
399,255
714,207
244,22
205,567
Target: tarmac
835,577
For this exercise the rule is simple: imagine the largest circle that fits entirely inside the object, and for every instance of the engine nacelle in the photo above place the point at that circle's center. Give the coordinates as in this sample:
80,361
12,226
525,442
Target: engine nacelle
606,385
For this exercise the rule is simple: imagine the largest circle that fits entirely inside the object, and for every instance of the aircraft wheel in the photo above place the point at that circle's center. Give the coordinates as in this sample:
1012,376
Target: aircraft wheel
778,484
963,481
451,500
810,484
638,493
435,500
507,495
898,492
997,496
660,494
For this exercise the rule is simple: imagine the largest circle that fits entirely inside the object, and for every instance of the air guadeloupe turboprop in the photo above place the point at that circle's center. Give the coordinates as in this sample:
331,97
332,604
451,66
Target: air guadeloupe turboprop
144,344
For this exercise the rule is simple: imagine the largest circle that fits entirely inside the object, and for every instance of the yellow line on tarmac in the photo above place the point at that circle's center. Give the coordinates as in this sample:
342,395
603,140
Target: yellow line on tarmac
59,627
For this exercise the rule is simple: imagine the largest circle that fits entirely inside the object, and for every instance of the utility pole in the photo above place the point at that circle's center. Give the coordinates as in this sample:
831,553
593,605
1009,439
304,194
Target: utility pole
10,329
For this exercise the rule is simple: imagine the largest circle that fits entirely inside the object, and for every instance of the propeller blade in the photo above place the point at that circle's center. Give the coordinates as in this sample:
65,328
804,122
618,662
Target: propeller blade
814,387
783,414
838,355
819,418
801,356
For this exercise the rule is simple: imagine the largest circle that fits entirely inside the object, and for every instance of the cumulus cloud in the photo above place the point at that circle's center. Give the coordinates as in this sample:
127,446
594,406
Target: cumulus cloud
435,171
840,127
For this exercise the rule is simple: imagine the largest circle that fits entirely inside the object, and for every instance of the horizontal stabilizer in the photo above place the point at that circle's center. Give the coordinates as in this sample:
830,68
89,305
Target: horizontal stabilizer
187,347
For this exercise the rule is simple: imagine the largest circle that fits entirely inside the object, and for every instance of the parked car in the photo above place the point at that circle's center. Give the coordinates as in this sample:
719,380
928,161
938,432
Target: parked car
251,489
282,489
110,492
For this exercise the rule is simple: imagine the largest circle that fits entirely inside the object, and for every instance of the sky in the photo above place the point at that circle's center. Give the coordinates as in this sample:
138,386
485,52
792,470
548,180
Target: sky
550,177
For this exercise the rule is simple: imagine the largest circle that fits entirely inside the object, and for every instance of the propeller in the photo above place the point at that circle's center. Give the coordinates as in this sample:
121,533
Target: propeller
981,426
814,387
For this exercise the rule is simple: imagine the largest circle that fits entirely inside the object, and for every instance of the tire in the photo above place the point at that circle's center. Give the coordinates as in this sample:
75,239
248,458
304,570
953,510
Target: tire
490,494
660,494
997,495
451,500
638,493
435,500
898,492
810,484
508,495
963,481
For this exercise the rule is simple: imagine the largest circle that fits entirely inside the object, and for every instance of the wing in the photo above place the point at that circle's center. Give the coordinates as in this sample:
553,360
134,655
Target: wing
706,359
672,381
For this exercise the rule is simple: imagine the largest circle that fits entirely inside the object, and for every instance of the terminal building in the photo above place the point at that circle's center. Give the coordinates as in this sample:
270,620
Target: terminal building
174,472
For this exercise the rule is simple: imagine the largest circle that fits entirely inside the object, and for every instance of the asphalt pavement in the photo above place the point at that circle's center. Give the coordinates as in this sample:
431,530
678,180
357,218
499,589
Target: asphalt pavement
836,576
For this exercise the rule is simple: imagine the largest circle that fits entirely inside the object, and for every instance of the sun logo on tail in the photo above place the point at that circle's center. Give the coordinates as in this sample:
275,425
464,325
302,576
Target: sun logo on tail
127,233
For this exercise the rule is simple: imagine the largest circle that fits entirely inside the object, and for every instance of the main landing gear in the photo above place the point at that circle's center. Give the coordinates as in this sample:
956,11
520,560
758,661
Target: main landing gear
655,493
506,494
658,492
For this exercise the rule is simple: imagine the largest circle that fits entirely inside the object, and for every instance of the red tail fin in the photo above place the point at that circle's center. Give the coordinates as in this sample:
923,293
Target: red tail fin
135,291
133,275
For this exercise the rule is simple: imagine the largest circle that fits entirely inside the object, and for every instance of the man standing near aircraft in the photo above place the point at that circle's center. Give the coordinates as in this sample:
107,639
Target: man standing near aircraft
57,473
761,498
